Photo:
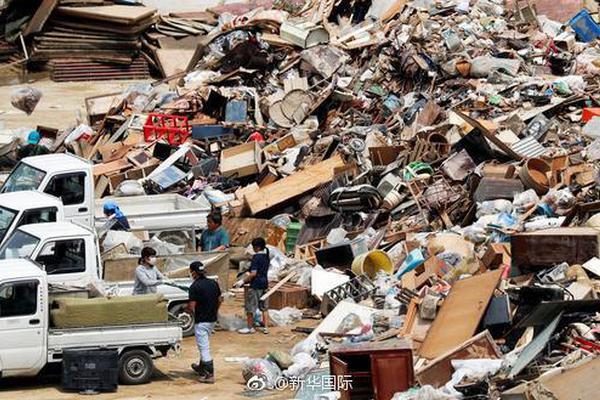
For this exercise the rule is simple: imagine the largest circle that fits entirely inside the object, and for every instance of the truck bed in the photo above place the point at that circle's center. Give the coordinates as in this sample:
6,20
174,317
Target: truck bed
159,334
162,211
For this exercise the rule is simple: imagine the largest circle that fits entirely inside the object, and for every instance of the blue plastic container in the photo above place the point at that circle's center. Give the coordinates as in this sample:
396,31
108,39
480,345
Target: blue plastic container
584,26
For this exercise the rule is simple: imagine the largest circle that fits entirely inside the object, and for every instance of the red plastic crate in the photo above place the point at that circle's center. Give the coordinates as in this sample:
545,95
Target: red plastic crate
174,128
589,113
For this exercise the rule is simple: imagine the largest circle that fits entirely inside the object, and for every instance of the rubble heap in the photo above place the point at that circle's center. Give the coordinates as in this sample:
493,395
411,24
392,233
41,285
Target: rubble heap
427,170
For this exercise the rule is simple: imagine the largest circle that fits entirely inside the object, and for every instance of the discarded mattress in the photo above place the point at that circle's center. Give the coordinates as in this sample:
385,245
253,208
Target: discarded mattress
125,310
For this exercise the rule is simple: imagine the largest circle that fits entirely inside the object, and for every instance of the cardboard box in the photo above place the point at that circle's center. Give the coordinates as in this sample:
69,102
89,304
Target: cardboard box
243,160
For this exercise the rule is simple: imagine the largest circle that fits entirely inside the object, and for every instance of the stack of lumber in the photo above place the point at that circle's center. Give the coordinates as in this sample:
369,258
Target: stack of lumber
125,310
67,69
100,33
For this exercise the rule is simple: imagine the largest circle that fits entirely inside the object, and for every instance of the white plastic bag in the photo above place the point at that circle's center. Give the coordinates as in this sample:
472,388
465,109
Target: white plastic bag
285,316
303,364
260,374
129,188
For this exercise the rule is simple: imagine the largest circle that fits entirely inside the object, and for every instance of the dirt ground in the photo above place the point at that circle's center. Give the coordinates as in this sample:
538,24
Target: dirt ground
173,378
61,105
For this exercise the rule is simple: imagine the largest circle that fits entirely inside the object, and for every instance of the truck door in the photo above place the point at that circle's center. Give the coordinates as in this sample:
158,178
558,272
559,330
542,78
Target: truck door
70,188
65,258
22,328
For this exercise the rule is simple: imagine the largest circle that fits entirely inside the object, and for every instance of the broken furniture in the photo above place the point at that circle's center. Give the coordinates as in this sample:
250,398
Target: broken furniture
376,370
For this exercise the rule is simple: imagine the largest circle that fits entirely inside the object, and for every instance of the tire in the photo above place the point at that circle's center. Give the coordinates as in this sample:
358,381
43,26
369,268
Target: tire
135,367
181,314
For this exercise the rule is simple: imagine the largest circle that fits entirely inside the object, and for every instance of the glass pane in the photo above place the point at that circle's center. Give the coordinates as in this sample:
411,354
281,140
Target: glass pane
70,188
7,217
24,177
18,299
19,245
64,257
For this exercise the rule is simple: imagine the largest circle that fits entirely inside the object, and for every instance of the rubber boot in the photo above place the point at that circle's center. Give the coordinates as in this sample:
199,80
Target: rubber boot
199,368
209,375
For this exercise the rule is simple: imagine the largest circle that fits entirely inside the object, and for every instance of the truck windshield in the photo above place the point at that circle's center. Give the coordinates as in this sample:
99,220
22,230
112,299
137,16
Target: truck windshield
23,177
19,245
7,217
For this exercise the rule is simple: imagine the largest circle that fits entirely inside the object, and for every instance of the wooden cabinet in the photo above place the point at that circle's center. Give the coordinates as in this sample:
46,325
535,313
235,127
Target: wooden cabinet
373,370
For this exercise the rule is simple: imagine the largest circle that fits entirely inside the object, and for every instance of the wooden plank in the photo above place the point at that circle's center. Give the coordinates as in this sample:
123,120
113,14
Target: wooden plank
491,136
533,251
293,186
173,61
114,166
278,285
115,14
439,371
459,316
40,17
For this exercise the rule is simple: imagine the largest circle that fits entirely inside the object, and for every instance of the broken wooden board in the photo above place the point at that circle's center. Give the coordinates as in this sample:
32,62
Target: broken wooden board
489,135
569,383
534,251
173,61
107,168
439,371
243,230
459,316
117,14
293,186
37,22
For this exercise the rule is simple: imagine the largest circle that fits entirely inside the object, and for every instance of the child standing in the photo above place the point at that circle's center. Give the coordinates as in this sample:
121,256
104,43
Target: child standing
258,285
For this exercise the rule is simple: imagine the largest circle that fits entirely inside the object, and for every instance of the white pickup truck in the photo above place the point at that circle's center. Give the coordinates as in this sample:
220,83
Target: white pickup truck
69,255
28,342
70,179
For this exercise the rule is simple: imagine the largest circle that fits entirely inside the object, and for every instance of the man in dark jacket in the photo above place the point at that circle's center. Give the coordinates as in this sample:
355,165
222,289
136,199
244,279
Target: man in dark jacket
33,147
259,283
205,300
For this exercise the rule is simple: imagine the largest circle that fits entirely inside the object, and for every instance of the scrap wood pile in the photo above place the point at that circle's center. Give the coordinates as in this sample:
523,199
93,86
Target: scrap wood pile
428,172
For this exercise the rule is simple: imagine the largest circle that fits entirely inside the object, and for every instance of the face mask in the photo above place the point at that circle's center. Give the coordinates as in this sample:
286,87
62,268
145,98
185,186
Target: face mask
152,261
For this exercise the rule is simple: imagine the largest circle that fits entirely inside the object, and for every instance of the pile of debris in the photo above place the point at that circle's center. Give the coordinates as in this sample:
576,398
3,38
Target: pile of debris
425,171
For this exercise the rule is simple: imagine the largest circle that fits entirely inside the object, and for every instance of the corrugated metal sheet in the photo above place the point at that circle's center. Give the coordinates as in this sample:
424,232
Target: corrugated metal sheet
528,148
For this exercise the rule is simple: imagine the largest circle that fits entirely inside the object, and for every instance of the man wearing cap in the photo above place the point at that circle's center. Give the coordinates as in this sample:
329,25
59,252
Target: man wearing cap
33,147
205,299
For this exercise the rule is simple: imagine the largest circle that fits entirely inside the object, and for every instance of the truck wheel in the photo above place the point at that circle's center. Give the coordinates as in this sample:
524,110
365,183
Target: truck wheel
135,367
183,316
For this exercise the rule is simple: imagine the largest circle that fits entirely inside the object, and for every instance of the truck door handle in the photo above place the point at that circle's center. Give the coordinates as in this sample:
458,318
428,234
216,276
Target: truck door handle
34,321
82,209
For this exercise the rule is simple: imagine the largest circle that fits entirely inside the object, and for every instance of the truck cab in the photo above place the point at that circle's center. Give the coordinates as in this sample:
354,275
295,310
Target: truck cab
28,207
62,175
23,316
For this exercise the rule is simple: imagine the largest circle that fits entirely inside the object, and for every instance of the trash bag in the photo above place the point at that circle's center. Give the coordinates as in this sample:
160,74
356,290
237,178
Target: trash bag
129,188
303,364
25,99
285,316
260,374
231,322
131,242
308,345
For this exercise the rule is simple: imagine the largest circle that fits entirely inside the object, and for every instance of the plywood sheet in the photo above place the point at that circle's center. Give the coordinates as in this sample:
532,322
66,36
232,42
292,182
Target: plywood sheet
114,13
293,186
460,314
173,61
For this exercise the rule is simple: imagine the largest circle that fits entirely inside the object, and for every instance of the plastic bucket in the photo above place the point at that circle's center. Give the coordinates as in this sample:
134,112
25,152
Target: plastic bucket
534,174
372,262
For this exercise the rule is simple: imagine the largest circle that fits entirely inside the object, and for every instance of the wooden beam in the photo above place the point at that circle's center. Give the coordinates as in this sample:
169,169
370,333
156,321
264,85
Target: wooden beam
293,186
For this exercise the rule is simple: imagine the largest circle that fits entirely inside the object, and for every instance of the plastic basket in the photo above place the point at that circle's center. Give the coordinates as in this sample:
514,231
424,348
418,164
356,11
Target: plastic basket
172,128
584,26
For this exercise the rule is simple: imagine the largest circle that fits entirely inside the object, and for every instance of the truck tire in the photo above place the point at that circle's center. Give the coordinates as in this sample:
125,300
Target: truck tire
135,367
182,315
